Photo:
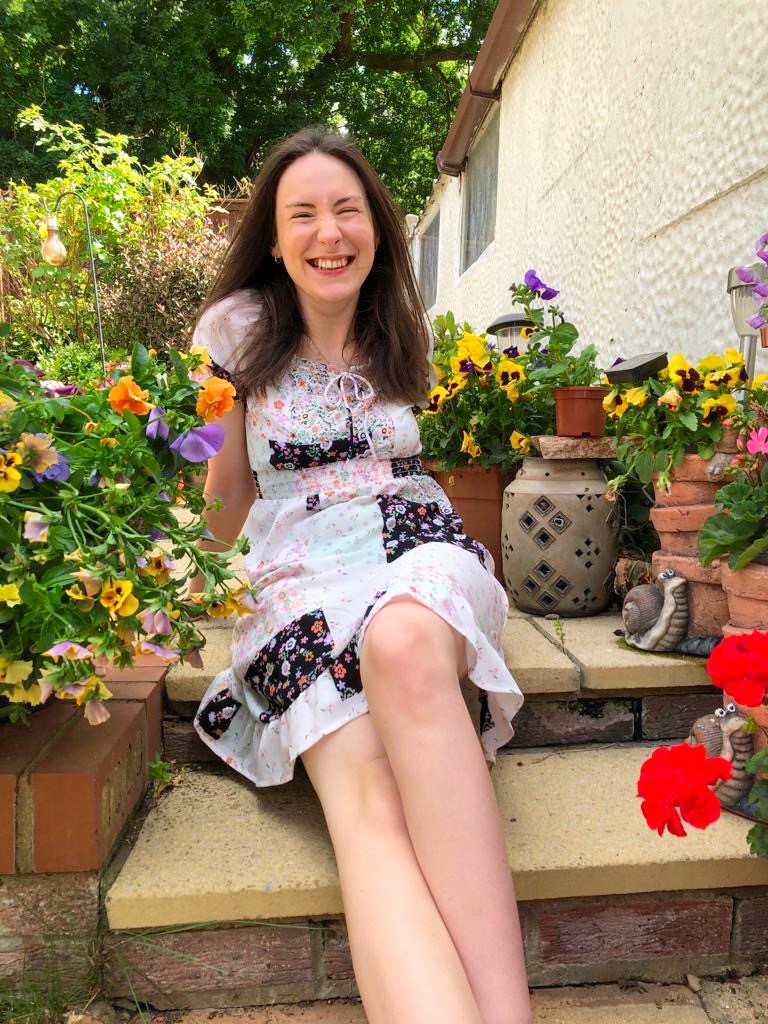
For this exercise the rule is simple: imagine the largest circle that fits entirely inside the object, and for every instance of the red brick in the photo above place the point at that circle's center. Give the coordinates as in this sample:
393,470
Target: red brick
136,674
541,723
336,952
84,790
750,925
657,925
150,696
19,746
168,969
182,744
670,716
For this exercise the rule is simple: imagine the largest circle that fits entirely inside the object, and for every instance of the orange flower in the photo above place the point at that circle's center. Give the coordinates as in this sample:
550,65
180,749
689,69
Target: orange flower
216,397
127,394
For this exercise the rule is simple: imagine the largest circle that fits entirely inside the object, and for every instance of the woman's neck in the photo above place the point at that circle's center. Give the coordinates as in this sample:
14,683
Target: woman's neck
331,332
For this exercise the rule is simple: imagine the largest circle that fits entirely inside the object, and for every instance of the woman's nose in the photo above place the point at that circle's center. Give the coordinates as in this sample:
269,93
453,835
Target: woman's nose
328,230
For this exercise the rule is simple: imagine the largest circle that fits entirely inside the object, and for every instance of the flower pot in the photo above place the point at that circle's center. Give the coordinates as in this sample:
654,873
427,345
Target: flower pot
477,495
559,538
690,484
747,595
579,411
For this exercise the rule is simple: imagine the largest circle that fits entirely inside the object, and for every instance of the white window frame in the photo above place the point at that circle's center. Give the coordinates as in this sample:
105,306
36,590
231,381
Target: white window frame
426,236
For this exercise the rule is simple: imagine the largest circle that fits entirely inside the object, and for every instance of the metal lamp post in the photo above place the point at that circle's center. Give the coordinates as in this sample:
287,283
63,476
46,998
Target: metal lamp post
54,252
742,308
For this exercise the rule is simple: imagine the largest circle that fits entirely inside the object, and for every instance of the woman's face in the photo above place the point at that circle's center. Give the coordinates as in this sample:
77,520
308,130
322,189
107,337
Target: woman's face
325,232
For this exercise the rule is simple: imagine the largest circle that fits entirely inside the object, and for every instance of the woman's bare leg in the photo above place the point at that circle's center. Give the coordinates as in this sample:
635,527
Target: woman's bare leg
406,965
411,662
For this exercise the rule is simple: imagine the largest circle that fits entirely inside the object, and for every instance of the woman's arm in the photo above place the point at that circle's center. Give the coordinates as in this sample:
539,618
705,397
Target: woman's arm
229,478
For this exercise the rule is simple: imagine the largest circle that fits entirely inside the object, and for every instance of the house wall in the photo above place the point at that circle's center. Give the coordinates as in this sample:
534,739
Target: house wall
633,172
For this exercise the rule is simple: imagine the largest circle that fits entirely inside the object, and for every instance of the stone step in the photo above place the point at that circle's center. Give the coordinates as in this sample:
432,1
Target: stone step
216,848
566,658
598,1004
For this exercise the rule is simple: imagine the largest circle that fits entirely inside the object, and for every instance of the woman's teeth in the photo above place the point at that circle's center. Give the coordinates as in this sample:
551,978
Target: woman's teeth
331,264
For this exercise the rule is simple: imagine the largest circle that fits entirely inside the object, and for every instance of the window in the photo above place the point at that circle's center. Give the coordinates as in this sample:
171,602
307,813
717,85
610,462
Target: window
480,195
428,254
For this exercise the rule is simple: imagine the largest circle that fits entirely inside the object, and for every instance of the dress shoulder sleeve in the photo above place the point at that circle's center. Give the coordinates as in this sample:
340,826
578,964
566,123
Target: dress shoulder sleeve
223,328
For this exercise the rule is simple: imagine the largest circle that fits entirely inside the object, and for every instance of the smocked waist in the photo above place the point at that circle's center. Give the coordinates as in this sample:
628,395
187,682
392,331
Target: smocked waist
342,476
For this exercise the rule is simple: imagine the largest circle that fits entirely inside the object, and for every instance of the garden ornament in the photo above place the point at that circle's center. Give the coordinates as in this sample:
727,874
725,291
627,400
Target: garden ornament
656,617
722,735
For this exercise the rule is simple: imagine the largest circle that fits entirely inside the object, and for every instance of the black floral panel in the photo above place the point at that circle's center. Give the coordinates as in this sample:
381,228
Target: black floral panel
407,524
310,456
345,670
216,717
290,662
410,466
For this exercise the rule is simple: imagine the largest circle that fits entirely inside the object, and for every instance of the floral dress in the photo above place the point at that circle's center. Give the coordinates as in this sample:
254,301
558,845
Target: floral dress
345,519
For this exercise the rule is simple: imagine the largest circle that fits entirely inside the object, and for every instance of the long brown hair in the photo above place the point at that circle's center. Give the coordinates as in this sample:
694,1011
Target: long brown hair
390,326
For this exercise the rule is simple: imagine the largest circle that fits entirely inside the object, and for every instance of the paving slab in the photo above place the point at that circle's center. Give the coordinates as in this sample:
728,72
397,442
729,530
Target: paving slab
608,664
536,661
741,1001
216,848
594,1004
186,684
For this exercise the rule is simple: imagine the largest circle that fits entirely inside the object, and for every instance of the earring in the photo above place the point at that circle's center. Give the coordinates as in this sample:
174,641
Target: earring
278,259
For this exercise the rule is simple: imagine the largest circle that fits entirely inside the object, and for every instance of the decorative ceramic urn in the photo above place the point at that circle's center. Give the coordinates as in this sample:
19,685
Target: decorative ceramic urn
559,538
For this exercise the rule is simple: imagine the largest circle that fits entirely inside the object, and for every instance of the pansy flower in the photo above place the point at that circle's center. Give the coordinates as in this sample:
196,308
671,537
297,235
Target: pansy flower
117,598
437,399
520,442
127,394
615,405
713,409
10,477
216,397
682,374
469,445
509,372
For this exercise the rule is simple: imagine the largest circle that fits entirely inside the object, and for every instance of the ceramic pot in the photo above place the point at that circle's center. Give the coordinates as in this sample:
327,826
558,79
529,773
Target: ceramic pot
477,495
579,411
747,595
559,538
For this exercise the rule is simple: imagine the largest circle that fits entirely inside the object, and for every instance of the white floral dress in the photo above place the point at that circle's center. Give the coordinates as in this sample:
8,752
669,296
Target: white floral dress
345,520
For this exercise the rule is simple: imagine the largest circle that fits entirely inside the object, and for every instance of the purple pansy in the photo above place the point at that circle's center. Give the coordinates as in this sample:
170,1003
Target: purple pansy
535,283
156,425
762,254
57,473
55,389
512,352
200,443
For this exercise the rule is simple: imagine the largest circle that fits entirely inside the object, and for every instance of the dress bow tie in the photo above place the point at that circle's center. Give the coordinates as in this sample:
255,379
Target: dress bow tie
355,393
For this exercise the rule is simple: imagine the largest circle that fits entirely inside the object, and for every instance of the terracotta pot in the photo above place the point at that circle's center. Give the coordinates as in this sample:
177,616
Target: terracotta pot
678,527
764,337
689,484
477,495
579,411
559,537
747,593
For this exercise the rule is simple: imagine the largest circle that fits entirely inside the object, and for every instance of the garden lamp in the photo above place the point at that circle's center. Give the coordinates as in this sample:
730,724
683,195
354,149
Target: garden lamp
509,331
54,252
742,309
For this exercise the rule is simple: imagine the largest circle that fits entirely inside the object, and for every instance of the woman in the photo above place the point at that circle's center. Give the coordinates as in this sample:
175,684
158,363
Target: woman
370,602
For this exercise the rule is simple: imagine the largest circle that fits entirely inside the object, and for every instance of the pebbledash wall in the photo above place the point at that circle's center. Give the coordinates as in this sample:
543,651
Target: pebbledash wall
633,172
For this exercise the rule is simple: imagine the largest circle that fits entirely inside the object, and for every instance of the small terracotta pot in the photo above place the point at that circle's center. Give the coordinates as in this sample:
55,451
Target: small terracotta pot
477,494
579,411
678,527
747,592
689,484
764,337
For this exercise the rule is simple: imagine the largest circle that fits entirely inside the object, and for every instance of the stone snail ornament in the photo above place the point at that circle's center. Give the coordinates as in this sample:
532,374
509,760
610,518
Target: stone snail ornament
656,617
722,735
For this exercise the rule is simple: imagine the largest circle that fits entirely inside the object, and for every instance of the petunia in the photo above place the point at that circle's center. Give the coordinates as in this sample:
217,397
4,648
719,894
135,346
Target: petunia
156,426
127,394
145,647
35,527
537,285
216,397
9,594
96,712
757,443
200,443
68,649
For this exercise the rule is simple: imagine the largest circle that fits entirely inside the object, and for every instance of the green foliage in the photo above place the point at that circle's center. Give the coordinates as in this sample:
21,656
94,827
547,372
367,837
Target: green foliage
233,75
76,362
131,208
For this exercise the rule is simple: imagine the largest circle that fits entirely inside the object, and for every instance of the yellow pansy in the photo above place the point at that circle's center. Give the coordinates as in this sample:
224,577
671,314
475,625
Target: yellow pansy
7,404
116,596
455,385
615,405
9,594
713,409
520,442
511,392
14,672
10,477
509,372
437,399
728,378
636,396
734,357
469,446
671,399
156,564
710,363
439,373
472,356
685,376
202,353
526,333
760,381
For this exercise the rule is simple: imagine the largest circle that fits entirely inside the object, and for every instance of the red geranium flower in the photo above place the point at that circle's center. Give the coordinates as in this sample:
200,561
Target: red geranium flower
739,664
675,782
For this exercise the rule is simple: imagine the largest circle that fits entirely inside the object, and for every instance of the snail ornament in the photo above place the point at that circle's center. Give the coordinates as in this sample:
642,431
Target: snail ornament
656,617
722,735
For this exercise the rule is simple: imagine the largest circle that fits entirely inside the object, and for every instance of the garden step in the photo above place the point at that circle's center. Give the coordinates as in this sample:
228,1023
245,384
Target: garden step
217,849
590,662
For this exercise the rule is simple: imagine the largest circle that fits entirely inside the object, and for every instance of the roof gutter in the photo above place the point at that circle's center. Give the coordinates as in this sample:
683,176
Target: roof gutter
505,32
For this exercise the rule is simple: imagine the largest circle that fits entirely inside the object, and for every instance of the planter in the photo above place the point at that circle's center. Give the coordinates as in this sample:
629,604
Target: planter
690,484
747,596
559,538
477,495
579,411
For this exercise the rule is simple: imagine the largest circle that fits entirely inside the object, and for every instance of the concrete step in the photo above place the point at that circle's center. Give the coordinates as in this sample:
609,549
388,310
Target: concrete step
217,849
566,659
595,1004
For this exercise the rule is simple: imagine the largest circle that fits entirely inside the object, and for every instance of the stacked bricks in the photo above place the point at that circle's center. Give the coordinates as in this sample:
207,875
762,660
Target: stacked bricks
657,936
67,790
678,516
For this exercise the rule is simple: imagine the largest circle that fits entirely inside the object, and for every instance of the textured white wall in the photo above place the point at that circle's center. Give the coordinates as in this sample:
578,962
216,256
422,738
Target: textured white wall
633,172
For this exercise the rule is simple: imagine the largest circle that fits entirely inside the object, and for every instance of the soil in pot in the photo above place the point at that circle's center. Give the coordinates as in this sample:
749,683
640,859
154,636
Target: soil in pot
579,411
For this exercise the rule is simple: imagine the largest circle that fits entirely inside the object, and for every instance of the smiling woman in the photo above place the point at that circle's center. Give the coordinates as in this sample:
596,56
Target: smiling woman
371,604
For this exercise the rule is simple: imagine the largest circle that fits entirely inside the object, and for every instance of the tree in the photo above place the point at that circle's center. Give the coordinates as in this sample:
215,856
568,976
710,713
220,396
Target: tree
230,76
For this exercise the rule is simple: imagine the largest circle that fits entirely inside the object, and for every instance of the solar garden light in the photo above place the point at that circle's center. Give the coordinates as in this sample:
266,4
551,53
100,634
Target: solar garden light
54,252
511,331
